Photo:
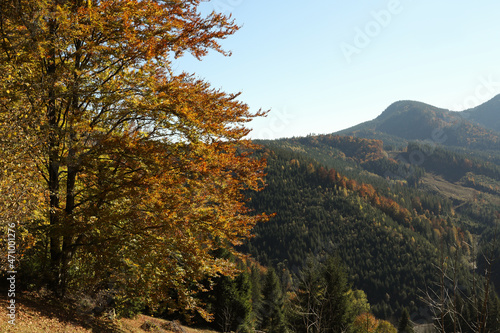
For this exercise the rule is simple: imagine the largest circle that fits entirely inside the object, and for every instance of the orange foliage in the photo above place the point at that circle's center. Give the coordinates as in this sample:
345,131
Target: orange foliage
367,191
139,172
365,322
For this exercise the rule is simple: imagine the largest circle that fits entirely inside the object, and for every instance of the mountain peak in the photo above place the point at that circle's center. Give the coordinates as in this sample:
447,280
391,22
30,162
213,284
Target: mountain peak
411,120
400,107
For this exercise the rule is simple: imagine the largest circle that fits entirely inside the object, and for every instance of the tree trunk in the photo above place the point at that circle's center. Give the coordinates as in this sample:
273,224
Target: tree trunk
54,165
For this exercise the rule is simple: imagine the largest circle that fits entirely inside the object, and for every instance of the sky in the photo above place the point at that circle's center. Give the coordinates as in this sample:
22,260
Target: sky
323,66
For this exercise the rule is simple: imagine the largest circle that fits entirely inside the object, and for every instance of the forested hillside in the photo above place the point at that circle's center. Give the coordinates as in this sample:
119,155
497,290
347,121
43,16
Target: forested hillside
350,197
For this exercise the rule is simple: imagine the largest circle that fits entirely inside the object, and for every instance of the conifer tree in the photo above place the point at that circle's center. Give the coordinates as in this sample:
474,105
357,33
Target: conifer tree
493,318
232,305
256,284
243,303
336,300
272,310
322,302
405,325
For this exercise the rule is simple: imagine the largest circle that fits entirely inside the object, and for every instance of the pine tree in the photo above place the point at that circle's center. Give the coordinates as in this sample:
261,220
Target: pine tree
243,303
255,280
336,301
405,325
272,311
232,306
493,319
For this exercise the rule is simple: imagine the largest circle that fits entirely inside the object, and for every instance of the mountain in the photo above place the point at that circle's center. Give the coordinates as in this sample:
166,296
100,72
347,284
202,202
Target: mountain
390,222
486,115
403,121
394,197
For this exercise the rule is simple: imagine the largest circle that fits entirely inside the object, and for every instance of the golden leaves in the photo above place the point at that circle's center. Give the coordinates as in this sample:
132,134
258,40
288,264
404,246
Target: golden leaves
138,171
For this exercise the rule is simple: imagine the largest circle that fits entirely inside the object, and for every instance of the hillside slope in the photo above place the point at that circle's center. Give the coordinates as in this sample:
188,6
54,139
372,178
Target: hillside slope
391,221
486,114
477,128
389,241
36,314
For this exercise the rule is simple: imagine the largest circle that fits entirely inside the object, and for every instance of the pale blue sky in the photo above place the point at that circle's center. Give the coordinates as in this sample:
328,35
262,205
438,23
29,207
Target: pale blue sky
322,66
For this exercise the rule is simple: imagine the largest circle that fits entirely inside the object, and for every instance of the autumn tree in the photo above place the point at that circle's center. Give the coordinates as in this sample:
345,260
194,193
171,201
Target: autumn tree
365,323
136,172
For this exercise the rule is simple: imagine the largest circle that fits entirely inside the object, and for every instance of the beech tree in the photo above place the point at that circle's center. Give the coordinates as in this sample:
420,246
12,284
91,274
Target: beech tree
134,173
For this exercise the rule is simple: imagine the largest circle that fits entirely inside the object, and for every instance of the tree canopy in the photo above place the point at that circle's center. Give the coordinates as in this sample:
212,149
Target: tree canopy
134,173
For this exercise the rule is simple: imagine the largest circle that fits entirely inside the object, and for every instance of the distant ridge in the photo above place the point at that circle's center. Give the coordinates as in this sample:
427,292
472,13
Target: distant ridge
486,114
406,120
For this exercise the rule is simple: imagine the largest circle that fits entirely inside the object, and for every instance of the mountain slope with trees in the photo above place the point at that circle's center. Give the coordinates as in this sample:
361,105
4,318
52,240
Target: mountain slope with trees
128,184
389,247
375,201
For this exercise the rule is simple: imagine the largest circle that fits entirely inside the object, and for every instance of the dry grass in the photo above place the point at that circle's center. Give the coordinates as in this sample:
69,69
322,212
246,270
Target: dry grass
450,190
456,191
37,314
141,323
